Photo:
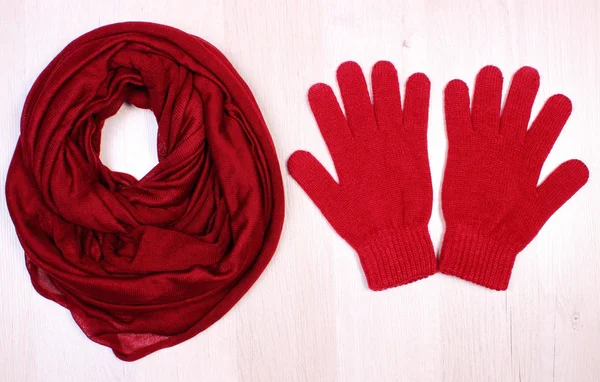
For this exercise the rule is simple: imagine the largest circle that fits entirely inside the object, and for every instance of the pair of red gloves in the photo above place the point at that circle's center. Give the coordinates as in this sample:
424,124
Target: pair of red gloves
492,204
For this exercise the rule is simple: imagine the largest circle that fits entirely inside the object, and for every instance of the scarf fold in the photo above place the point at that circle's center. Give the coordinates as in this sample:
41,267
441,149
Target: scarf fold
145,264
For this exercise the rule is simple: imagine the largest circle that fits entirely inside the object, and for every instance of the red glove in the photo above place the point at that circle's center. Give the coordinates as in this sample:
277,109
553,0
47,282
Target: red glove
492,204
382,202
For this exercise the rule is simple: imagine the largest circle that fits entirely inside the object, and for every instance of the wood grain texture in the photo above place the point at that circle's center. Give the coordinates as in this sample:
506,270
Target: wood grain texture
310,317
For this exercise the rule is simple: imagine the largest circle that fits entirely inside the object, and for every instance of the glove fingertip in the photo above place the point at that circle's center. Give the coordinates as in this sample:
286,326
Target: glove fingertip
318,90
418,80
457,108
348,68
529,73
578,170
561,102
455,87
572,174
560,186
490,71
384,67
297,160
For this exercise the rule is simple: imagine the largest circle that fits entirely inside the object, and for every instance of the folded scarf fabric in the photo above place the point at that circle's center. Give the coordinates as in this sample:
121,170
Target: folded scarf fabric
145,264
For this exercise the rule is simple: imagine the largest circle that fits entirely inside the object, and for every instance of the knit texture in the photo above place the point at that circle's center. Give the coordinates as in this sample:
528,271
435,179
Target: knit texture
396,257
382,202
145,264
492,204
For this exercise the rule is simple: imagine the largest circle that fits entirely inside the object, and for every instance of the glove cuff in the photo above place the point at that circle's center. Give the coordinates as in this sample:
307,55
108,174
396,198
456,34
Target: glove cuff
477,257
392,258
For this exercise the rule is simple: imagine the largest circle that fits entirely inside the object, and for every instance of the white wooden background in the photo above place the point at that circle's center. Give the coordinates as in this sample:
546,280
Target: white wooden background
310,317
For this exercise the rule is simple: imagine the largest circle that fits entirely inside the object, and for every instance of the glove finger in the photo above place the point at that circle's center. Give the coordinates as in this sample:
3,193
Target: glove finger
517,110
357,103
487,99
545,130
316,181
559,187
330,119
386,96
456,108
416,103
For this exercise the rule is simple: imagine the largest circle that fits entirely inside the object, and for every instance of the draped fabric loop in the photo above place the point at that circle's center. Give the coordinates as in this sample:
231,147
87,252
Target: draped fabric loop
144,264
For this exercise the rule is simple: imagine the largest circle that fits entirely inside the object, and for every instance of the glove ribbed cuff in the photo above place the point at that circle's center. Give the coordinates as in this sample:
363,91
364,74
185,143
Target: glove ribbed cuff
392,258
477,257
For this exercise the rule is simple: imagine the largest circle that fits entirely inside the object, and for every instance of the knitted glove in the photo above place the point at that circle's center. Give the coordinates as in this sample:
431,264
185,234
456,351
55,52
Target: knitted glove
492,204
382,202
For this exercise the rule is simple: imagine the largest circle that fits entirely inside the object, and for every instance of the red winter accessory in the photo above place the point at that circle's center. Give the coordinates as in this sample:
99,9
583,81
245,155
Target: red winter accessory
491,200
143,265
382,202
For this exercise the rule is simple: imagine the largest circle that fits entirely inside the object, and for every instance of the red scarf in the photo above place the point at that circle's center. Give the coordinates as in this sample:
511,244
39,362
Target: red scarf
145,264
